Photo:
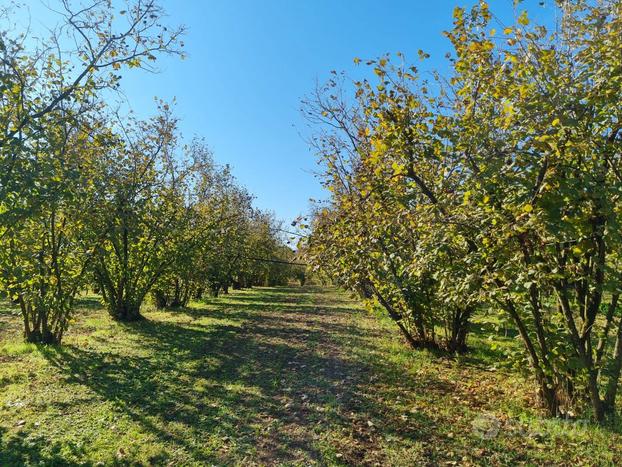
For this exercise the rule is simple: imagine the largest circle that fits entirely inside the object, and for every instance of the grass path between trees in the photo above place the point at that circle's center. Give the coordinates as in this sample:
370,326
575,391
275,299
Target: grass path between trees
270,376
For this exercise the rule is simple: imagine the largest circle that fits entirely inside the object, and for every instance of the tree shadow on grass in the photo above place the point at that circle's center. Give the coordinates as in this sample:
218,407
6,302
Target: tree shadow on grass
257,388
25,448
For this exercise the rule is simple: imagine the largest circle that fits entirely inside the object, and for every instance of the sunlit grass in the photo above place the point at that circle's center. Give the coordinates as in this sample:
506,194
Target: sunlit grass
272,376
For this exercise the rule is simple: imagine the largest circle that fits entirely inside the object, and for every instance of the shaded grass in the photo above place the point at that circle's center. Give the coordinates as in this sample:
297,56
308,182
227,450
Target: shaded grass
288,376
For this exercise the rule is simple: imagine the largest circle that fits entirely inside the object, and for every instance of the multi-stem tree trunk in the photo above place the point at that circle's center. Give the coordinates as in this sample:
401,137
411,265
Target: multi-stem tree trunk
214,290
459,329
178,294
45,317
614,372
413,340
181,293
122,301
160,299
125,311
37,328
547,386
46,305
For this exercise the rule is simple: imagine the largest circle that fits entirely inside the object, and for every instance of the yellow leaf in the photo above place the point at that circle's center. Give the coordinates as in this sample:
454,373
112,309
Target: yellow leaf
527,208
467,195
397,168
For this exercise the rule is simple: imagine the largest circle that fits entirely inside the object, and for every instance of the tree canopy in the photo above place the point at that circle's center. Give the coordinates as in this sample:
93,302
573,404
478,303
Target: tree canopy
494,187
91,198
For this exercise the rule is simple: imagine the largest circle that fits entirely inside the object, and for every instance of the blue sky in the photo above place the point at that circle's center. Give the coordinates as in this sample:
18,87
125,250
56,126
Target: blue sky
250,62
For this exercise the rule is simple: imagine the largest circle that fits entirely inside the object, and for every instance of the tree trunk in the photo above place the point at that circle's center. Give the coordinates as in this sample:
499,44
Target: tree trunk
36,329
126,312
547,389
365,291
602,343
160,299
614,373
397,319
41,335
459,330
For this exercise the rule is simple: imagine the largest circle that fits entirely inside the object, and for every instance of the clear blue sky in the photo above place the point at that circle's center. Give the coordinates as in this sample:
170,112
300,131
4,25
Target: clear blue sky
250,62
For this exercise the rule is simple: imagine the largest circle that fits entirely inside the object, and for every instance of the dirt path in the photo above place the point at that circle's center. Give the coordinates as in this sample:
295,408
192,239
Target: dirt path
326,403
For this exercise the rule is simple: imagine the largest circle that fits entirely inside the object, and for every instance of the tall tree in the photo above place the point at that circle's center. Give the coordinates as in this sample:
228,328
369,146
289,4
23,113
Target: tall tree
50,140
143,209
506,175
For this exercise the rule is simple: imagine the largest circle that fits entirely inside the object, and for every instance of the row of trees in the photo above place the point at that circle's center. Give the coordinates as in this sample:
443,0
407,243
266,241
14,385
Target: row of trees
91,199
494,188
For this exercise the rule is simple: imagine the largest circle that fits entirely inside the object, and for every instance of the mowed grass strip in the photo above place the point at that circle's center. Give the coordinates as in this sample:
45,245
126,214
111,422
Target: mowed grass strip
271,376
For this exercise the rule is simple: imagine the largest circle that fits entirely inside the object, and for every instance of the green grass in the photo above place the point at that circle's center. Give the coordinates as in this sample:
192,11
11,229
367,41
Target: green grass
288,376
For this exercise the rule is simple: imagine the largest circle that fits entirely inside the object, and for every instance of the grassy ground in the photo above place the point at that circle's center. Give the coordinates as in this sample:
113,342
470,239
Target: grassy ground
287,376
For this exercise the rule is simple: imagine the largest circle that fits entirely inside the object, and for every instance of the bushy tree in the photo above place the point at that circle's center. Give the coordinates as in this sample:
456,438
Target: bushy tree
380,234
227,242
52,136
538,117
144,210
45,256
501,185
210,255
